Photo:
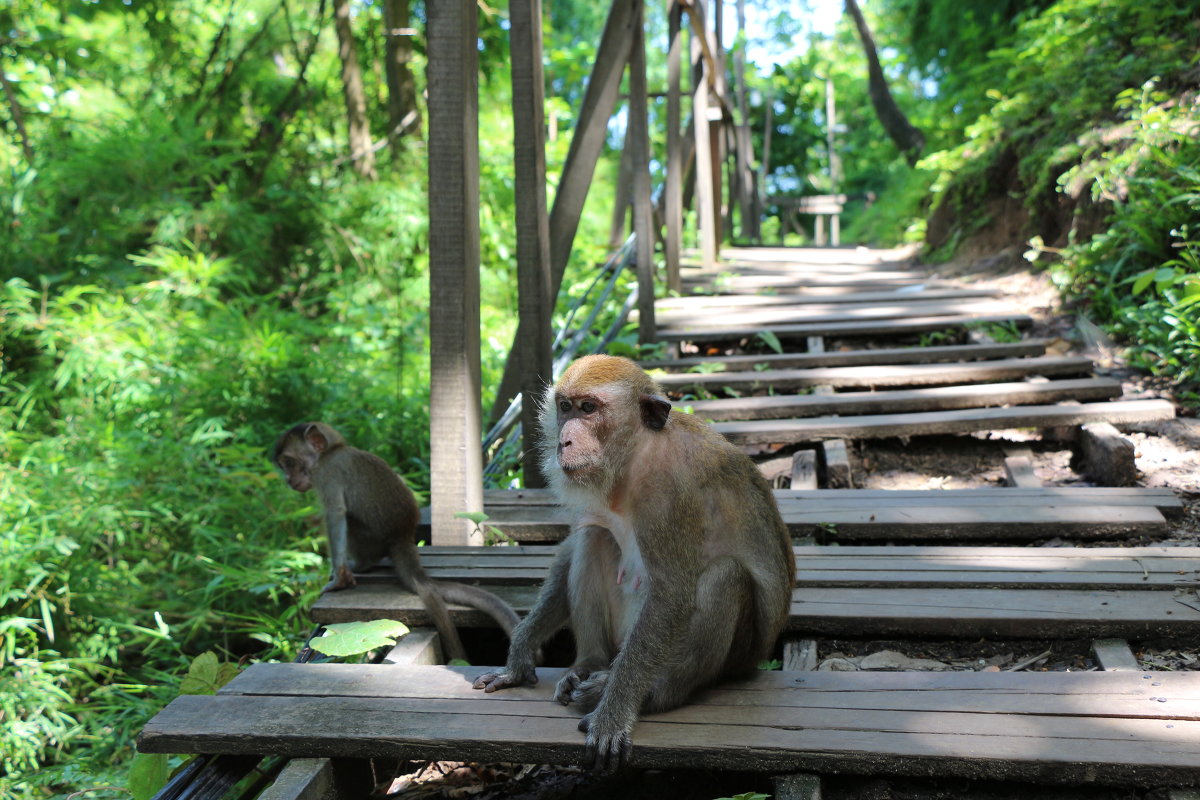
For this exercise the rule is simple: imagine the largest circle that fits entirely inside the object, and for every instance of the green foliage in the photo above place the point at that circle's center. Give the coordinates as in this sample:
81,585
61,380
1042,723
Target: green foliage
344,639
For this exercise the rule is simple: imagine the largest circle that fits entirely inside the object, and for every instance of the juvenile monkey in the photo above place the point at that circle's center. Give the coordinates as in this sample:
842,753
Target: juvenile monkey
371,513
678,570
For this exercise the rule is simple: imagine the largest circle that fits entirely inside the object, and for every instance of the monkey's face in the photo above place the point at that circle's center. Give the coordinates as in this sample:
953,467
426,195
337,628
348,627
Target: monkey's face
296,472
583,426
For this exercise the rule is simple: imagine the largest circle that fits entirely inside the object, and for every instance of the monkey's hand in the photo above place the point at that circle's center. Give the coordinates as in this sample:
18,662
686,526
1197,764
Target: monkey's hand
581,686
343,578
491,681
608,744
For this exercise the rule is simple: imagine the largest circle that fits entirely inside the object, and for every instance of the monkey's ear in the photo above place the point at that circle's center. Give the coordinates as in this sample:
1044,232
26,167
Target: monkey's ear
316,438
655,410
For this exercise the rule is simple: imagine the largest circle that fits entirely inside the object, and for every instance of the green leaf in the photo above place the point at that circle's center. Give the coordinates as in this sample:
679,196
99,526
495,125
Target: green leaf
352,638
478,517
771,340
147,774
205,675
1143,280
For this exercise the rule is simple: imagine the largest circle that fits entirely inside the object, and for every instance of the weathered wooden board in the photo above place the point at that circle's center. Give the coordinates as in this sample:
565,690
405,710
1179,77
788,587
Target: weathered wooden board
710,302
887,611
855,358
1161,498
1066,727
773,316
891,402
878,566
795,431
847,522
913,325
1006,369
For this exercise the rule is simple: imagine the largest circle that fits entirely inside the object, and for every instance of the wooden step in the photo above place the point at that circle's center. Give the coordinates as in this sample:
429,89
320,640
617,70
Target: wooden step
703,319
998,522
697,302
853,358
927,399
1159,497
914,325
1006,369
937,610
795,431
879,567
1106,727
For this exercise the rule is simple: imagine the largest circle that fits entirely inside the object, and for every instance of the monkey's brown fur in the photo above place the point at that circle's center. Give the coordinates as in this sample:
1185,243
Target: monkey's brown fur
678,570
371,513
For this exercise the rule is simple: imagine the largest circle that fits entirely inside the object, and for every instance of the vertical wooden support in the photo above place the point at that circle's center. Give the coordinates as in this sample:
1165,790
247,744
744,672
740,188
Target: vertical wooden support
706,210
590,133
638,144
535,304
456,458
675,166
835,162
621,203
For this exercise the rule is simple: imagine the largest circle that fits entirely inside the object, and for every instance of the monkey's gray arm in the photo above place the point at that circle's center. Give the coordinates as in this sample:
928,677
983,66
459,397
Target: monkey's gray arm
549,613
337,530
640,662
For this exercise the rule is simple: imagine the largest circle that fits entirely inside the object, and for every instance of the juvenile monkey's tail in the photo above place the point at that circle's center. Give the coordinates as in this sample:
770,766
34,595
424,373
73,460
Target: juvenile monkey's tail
466,595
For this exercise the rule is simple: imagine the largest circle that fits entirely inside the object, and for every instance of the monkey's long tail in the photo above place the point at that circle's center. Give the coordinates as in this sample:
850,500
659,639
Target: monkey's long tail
466,595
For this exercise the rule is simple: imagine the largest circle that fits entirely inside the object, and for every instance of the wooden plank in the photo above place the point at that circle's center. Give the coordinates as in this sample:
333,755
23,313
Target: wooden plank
1007,369
936,610
1159,497
418,646
897,566
709,302
795,431
1115,655
912,325
1000,613
535,304
774,316
804,469
638,134
1059,727
304,779
1105,456
891,402
853,358
673,189
705,184
799,655
836,456
455,419
991,522
1018,462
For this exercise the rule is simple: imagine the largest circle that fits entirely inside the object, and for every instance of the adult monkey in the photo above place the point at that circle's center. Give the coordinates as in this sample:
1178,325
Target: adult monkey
371,513
678,570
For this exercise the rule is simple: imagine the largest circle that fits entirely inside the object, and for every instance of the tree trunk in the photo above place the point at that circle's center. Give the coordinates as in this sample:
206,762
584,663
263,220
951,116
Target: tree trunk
908,138
403,114
362,157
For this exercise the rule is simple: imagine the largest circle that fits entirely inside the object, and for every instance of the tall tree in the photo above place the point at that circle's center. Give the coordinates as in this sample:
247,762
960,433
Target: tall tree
907,137
362,157
403,114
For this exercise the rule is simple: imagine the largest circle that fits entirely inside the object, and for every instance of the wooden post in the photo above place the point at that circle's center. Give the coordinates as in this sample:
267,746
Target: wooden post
674,178
535,305
637,143
621,203
591,130
456,457
835,163
706,212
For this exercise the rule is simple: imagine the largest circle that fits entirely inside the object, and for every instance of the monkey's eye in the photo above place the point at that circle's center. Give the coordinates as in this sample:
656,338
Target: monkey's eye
587,406
564,406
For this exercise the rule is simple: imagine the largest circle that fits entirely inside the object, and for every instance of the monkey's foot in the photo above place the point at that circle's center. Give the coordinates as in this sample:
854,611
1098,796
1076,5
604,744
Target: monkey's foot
492,681
569,682
608,745
587,693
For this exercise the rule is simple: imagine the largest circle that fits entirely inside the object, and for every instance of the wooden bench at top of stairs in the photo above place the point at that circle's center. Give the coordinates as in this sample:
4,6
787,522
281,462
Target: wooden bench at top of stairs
1135,728
849,515
995,592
